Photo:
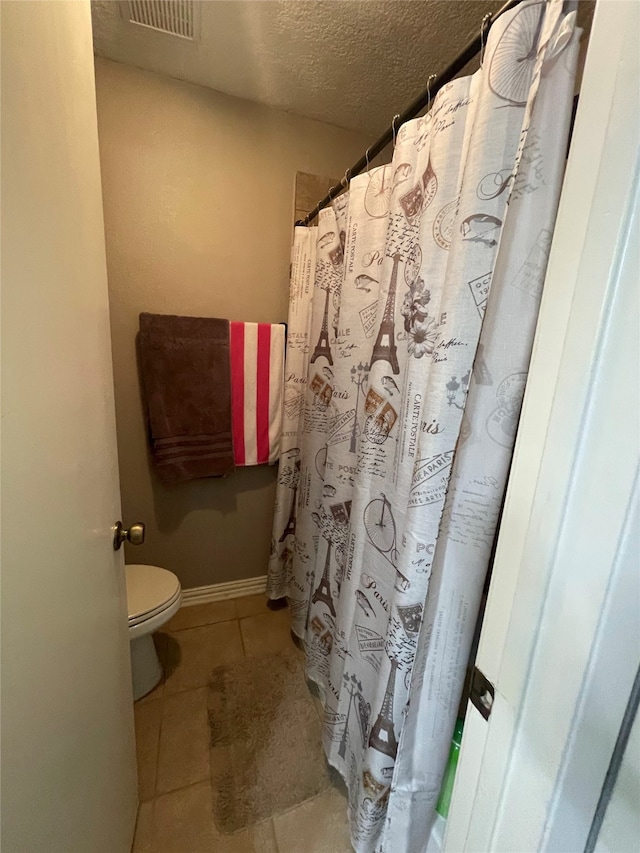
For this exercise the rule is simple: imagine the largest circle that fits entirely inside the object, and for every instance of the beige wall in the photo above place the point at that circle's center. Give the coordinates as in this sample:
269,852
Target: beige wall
198,205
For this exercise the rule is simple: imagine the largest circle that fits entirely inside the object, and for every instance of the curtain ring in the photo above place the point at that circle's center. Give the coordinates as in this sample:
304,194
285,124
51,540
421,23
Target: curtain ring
393,128
483,28
431,77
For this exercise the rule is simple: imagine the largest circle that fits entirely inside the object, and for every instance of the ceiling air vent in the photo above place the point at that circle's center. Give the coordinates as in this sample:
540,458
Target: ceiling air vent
167,16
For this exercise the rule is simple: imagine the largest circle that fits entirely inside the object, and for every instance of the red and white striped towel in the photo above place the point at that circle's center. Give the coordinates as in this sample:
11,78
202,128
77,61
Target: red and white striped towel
257,377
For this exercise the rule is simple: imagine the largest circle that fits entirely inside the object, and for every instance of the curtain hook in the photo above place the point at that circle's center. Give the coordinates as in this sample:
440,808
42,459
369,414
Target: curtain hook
366,158
483,28
346,179
393,128
431,77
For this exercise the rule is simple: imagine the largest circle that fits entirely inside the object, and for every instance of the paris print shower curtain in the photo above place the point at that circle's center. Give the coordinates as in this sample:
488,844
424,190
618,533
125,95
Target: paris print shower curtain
303,262
427,281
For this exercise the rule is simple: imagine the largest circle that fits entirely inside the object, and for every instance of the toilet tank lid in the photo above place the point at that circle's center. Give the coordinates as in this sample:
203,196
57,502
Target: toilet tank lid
148,588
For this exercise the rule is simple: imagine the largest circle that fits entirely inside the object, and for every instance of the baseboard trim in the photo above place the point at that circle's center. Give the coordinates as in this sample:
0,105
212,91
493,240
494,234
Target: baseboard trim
221,591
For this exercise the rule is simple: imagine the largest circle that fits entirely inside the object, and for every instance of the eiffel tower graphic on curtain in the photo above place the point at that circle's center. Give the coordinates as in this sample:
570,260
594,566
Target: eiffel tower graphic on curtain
290,526
384,348
382,735
323,592
322,347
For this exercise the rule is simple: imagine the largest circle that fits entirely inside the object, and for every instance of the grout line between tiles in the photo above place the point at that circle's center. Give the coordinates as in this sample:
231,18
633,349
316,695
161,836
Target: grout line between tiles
273,835
235,607
183,788
157,763
197,627
244,651
135,827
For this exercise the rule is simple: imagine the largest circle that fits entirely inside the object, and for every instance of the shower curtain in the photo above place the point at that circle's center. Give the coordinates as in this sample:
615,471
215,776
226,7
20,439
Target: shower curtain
433,285
303,262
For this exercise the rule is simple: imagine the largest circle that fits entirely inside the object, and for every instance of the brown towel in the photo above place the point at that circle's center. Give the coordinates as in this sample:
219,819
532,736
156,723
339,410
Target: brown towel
186,378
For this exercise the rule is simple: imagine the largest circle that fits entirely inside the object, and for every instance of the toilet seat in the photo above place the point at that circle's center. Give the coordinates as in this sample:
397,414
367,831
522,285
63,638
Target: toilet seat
153,596
150,592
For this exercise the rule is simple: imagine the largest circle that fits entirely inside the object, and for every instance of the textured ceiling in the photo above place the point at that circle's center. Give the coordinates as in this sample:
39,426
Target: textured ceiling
352,63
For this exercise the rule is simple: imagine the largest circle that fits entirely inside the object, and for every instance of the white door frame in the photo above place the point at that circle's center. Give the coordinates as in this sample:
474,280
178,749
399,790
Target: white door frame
555,612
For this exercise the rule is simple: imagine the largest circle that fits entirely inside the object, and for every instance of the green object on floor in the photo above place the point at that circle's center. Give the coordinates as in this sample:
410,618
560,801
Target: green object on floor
444,800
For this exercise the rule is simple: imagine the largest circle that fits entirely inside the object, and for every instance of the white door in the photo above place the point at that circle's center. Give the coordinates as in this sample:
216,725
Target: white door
561,638
68,757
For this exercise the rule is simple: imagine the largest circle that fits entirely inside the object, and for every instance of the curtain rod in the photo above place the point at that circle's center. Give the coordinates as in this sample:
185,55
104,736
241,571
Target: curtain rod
423,100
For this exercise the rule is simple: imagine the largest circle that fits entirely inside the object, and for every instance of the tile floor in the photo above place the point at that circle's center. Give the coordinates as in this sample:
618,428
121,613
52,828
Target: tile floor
172,734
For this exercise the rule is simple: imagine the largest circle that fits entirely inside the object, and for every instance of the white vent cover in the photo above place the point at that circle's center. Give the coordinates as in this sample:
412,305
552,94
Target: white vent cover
168,16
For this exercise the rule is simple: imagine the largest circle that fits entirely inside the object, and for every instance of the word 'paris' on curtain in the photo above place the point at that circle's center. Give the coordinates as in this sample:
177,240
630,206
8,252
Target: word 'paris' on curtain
413,306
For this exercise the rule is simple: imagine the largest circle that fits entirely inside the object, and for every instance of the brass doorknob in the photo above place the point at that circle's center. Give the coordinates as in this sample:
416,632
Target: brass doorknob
134,535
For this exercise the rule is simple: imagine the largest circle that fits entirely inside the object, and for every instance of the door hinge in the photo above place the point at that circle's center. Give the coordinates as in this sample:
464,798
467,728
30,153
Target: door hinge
482,693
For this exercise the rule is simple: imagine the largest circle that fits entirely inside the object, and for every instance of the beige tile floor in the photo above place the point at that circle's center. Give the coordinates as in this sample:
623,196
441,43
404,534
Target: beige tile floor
175,813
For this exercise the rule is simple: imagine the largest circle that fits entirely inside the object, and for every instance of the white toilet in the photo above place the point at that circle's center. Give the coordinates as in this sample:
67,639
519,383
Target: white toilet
153,596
